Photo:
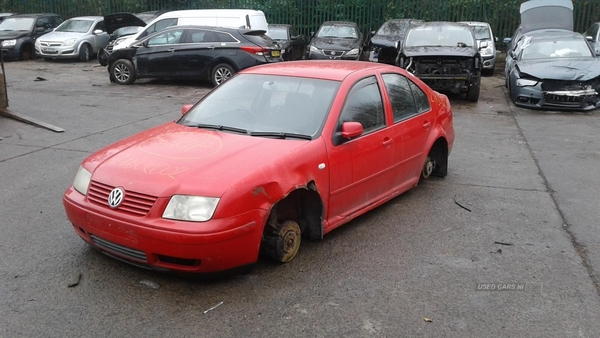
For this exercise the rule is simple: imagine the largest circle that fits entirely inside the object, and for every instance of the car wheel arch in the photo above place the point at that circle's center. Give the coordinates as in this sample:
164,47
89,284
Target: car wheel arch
438,153
303,205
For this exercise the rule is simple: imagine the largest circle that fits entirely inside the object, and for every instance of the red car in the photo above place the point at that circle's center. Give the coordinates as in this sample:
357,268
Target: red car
276,153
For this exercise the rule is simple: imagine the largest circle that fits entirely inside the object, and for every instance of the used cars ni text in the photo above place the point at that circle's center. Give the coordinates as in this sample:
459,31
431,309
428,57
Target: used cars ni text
193,52
305,147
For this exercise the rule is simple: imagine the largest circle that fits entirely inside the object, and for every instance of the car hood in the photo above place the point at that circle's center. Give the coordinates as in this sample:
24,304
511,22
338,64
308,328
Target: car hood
175,159
439,51
7,35
546,14
386,40
61,36
115,21
335,43
580,69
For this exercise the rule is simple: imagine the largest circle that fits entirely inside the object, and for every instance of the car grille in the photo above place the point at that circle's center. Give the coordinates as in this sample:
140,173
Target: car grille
569,93
133,203
333,53
50,44
446,66
122,250
563,100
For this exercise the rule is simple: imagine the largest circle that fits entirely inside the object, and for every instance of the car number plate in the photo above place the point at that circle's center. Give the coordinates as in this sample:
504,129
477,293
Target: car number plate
49,50
275,53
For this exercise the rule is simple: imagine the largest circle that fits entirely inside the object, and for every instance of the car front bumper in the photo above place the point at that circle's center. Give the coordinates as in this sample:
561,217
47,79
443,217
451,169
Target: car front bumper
144,241
319,56
533,97
489,62
60,52
11,52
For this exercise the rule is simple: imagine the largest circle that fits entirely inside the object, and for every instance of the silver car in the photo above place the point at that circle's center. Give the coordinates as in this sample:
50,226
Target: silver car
78,37
487,44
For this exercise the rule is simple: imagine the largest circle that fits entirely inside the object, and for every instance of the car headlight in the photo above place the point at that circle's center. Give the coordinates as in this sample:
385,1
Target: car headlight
353,52
38,42
526,82
190,208
69,42
119,40
82,180
488,51
315,50
7,43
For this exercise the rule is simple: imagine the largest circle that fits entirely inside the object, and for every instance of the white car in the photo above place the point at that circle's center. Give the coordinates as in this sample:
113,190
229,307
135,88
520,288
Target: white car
76,38
487,44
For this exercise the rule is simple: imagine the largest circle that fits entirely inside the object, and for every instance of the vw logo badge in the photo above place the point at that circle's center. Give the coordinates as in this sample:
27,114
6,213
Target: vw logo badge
115,198
332,53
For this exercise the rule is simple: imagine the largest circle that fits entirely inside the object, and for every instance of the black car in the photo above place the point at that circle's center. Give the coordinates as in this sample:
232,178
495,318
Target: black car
18,33
292,44
386,42
336,40
193,52
444,55
122,24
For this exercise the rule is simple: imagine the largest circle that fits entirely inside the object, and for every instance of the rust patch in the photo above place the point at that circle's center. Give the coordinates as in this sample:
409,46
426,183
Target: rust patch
259,190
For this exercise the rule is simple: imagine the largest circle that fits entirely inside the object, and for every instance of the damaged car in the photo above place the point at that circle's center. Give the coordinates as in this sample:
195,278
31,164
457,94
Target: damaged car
336,40
192,52
554,69
119,25
549,65
385,43
444,55
304,148
292,43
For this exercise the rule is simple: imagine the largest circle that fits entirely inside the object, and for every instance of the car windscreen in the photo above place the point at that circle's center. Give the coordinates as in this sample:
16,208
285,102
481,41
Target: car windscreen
278,33
393,27
75,26
17,24
481,32
337,31
266,104
440,36
554,48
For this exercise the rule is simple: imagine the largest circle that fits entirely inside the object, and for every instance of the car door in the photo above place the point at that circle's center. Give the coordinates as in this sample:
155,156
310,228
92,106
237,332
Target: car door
296,44
100,40
154,56
361,168
413,121
199,48
594,33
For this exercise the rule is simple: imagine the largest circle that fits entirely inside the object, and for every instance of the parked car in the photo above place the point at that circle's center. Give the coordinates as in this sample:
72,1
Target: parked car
292,44
387,41
193,52
80,37
303,148
445,56
592,34
18,33
486,41
553,69
336,40
120,25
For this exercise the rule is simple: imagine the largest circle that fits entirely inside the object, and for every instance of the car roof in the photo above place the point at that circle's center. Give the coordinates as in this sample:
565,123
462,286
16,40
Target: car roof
218,28
37,15
475,23
279,25
91,18
341,23
336,70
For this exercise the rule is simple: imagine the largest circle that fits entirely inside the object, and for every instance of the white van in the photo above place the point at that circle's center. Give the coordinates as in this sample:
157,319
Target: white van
232,18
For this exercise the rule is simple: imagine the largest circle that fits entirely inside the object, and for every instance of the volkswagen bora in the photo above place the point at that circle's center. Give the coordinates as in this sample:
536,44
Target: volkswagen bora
303,148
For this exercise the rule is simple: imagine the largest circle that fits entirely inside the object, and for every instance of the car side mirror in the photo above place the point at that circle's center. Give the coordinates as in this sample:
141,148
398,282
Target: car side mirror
98,31
351,129
495,39
589,38
186,108
312,34
507,40
483,44
294,37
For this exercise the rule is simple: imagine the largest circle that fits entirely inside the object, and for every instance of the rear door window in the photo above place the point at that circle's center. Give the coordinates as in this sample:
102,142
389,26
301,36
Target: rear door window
401,97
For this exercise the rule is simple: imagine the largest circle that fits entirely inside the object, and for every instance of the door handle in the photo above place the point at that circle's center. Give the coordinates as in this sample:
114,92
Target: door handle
387,142
426,125
171,50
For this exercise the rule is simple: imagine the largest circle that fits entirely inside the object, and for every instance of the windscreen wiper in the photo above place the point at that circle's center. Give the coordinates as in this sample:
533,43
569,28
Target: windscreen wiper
280,134
220,127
